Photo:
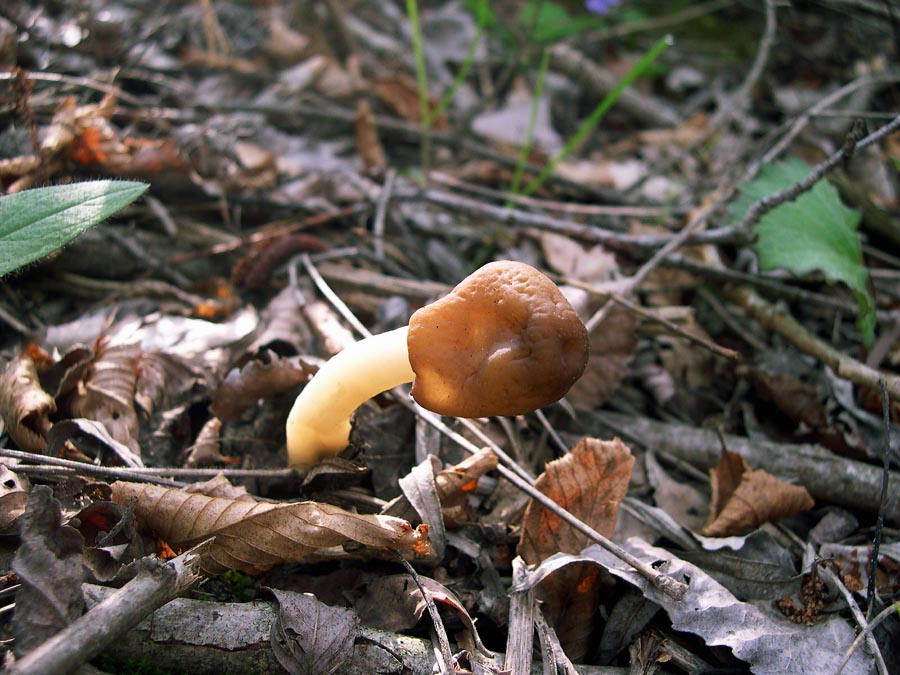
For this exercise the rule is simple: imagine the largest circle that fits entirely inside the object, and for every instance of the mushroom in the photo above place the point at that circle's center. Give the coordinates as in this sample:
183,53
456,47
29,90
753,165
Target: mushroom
505,341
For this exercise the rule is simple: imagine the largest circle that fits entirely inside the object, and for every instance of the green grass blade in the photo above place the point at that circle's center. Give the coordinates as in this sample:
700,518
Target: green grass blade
36,222
415,25
608,101
481,17
532,120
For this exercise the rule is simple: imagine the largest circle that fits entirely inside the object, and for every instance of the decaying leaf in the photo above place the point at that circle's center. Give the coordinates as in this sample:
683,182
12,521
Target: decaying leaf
243,388
13,495
309,637
220,486
24,405
368,144
401,94
590,482
767,641
395,603
757,497
255,536
570,258
206,449
106,394
611,349
455,483
94,433
798,400
48,563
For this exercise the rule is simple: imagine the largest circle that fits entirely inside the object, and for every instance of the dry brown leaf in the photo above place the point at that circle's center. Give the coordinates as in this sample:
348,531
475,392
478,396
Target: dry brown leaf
798,400
253,537
453,486
206,449
401,95
220,486
724,480
590,483
368,144
758,498
243,388
24,405
106,394
592,265
611,349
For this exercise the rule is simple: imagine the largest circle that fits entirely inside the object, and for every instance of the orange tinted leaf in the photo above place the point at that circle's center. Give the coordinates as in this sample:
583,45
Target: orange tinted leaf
255,536
590,482
758,498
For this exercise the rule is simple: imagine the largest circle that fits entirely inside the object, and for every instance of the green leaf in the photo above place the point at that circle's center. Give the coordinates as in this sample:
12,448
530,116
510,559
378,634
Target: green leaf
552,22
36,222
813,232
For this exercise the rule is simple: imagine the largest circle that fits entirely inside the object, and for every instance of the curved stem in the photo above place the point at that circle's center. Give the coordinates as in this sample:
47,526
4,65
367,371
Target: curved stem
319,422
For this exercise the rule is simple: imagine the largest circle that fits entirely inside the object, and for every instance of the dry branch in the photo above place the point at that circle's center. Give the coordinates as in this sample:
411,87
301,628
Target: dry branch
827,476
217,637
120,610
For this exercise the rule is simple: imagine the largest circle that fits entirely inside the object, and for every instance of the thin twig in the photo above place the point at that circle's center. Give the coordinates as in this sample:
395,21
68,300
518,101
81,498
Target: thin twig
769,202
873,624
857,616
88,469
378,224
156,584
437,622
846,367
885,480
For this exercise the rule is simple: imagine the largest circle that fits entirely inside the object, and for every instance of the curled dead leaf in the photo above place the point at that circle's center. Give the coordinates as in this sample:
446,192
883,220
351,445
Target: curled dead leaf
24,405
253,537
744,499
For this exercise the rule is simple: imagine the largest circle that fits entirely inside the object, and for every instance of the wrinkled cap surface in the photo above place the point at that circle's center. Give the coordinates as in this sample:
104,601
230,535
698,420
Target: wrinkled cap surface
505,341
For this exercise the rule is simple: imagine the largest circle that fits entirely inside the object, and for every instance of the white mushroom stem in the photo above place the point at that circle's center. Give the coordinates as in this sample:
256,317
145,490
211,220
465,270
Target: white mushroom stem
319,422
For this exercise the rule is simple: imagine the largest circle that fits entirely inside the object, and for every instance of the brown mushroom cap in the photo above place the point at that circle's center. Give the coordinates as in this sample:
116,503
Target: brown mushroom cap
505,341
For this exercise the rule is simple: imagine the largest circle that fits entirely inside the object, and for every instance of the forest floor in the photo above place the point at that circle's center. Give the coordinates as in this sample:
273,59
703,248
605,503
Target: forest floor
715,188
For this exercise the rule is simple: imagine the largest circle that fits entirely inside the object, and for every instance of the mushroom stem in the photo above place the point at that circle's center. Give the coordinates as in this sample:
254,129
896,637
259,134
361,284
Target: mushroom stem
319,422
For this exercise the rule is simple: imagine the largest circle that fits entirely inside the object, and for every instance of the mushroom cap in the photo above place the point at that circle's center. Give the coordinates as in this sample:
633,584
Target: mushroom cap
505,341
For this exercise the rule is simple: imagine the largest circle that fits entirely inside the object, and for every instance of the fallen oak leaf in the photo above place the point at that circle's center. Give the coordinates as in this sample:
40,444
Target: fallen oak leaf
740,506
253,537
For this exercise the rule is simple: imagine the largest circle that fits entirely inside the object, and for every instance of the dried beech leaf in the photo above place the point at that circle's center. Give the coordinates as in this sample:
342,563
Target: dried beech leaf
453,485
48,563
242,388
106,394
611,349
590,482
568,257
395,603
220,486
798,400
309,637
94,432
724,480
13,494
401,94
24,405
206,448
255,536
759,498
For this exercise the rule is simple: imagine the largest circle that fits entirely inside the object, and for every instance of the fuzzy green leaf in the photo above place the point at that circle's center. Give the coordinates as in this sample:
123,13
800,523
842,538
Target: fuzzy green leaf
36,222
816,231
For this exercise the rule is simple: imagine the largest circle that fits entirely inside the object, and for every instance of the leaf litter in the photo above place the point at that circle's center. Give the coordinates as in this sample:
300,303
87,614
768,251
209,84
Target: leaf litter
159,353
